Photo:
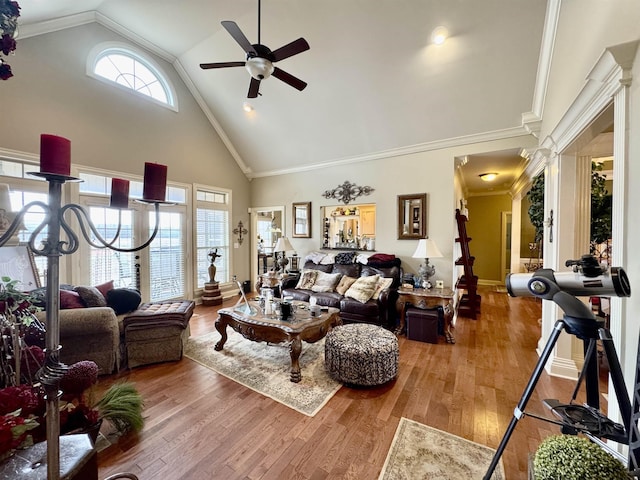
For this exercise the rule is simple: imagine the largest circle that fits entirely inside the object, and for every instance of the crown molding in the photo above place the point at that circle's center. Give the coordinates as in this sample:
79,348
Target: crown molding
401,151
17,155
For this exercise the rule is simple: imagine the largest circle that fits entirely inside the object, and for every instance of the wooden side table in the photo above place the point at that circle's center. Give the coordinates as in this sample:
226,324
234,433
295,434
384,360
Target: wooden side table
426,299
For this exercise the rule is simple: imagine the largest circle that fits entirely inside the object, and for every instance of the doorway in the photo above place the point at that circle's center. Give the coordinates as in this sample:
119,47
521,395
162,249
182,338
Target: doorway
505,244
268,224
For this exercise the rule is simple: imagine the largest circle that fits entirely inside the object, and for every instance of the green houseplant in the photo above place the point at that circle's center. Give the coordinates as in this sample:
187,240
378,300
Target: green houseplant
569,457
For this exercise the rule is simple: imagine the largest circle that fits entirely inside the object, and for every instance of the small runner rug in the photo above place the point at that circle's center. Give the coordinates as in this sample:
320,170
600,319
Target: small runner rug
266,369
422,452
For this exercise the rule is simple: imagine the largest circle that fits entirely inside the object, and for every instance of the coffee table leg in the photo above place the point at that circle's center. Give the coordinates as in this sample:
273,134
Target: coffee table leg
294,349
222,329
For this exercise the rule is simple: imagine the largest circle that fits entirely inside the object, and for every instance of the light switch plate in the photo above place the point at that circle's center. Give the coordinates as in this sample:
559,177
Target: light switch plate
439,284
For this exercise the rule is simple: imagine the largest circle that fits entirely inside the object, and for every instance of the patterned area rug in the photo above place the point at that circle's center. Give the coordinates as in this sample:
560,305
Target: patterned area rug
422,452
266,369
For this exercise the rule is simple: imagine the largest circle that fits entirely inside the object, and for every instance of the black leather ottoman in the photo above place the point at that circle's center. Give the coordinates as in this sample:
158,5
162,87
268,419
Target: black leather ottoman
422,325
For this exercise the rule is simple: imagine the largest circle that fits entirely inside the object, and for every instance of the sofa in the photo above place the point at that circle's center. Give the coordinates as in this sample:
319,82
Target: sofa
380,309
91,333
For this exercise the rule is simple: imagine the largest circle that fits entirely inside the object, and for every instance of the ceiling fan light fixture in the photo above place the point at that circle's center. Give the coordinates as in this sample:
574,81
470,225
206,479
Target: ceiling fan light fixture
488,177
259,68
439,35
247,107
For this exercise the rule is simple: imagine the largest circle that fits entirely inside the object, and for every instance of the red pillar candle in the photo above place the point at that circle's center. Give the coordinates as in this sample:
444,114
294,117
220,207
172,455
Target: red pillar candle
55,155
119,193
155,182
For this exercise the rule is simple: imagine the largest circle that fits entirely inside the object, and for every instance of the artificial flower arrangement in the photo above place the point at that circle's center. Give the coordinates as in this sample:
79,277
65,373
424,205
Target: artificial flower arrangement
22,408
9,13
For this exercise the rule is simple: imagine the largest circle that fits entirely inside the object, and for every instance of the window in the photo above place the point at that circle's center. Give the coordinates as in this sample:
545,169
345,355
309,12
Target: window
158,271
212,232
130,69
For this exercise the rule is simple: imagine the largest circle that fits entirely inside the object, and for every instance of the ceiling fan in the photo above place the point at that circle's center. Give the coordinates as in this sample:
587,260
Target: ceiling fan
260,58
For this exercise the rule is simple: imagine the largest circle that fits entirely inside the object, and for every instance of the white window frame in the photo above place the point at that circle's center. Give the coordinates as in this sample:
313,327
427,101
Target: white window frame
105,48
228,207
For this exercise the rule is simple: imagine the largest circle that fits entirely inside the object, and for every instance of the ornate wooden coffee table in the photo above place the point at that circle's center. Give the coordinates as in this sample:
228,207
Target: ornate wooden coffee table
258,327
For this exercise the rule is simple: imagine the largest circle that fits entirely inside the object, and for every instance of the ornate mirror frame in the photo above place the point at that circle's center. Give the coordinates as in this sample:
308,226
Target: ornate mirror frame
412,216
301,220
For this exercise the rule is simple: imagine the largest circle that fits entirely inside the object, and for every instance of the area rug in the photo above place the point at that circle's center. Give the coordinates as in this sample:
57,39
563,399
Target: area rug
419,452
266,369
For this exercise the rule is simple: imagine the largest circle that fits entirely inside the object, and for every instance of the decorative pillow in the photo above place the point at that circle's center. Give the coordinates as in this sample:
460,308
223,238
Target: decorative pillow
123,300
326,282
345,283
105,287
362,258
363,288
315,257
70,299
329,259
383,283
345,258
307,279
91,296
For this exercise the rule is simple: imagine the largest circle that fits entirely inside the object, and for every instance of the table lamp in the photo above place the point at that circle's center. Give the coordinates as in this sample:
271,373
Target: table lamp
282,246
426,249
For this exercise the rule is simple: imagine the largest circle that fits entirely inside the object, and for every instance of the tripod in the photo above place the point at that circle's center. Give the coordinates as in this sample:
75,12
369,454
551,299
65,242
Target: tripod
578,320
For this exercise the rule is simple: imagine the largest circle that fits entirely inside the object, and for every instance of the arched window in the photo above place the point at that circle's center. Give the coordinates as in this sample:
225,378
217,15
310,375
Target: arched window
131,70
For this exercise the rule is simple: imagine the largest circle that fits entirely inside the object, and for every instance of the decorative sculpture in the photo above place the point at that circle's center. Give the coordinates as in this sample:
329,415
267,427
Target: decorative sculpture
213,254
240,231
347,192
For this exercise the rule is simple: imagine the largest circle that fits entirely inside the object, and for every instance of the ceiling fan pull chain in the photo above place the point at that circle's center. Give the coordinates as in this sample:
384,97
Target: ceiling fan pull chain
259,10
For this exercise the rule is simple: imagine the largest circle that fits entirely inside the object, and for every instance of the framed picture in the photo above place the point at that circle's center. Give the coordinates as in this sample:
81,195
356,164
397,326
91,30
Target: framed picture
302,220
412,216
16,262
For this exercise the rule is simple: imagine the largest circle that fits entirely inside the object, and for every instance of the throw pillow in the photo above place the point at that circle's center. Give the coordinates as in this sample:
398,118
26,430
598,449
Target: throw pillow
123,300
326,282
329,259
315,257
91,296
103,288
383,283
345,283
363,288
70,299
345,258
307,279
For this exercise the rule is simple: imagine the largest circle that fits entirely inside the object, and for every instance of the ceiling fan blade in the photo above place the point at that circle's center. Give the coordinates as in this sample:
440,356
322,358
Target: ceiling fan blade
205,66
289,79
239,37
290,49
254,86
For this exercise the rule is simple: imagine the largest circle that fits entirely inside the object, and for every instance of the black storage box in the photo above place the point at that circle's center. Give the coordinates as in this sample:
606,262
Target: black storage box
422,325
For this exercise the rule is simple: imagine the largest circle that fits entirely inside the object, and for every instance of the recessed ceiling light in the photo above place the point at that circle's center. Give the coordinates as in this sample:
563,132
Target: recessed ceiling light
247,107
488,177
439,35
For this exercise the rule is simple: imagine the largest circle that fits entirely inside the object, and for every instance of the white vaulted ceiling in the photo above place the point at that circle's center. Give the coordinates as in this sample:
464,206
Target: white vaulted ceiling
377,86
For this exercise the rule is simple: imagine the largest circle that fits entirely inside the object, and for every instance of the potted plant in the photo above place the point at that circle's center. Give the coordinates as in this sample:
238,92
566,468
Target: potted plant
570,457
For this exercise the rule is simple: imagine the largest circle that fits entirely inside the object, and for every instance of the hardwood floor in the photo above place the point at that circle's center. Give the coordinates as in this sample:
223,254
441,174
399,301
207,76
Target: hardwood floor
201,425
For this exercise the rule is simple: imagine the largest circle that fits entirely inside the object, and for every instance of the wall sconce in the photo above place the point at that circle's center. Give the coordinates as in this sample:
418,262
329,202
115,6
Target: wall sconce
240,231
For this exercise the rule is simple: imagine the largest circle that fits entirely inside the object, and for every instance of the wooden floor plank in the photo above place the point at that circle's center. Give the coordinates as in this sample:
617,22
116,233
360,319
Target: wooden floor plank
202,425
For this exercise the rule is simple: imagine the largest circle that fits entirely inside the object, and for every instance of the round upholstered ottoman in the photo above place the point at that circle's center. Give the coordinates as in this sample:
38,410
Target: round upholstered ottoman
361,354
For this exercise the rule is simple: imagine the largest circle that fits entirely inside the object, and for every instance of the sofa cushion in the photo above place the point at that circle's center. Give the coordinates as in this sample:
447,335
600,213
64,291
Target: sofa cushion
91,296
70,299
351,269
325,282
328,268
307,279
363,288
123,300
344,284
354,307
328,299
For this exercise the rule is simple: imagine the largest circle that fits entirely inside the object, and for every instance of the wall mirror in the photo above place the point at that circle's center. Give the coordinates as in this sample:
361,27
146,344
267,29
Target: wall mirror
348,227
301,220
412,216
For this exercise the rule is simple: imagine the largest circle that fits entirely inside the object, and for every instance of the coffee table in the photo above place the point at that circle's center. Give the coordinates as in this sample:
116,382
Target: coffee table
258,327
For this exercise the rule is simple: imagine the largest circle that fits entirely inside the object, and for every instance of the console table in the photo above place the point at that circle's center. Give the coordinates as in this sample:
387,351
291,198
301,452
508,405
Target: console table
426,299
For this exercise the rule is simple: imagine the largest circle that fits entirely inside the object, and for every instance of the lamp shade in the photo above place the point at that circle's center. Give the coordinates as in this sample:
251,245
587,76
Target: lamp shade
427,248
283,245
